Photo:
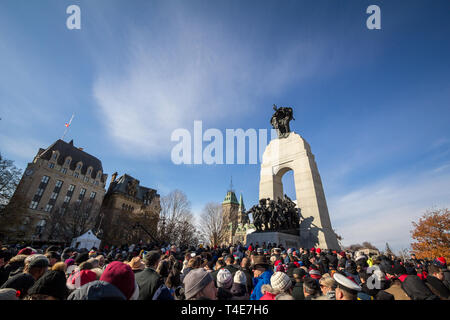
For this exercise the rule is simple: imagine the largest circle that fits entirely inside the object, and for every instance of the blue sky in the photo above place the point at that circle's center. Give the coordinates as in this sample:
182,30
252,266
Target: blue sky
373,104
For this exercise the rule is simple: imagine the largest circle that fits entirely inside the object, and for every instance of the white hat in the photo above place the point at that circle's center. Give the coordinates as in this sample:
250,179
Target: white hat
239,277
346,282
224,278
280,281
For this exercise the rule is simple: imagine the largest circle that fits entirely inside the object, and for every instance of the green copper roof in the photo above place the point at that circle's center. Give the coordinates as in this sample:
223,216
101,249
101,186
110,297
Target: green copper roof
230,198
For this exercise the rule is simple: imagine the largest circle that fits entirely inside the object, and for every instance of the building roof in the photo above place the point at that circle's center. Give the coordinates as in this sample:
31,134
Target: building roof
241,203
120,185
67,149
230,198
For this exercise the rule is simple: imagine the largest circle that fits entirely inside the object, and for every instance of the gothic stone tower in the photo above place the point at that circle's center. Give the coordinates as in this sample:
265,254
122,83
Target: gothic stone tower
230,210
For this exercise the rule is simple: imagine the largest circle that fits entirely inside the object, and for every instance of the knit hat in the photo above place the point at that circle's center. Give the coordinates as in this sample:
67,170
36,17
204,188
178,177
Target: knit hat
120,275
26,251
240,277
280,281
318,250
9,294
84,276
37,261
315,274
224,279
440,262
52,283
195,281
69,262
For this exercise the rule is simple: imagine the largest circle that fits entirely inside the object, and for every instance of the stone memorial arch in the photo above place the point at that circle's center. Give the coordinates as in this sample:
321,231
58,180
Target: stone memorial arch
292,152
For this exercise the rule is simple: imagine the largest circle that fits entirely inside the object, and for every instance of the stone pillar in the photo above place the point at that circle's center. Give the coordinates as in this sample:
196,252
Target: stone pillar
294,153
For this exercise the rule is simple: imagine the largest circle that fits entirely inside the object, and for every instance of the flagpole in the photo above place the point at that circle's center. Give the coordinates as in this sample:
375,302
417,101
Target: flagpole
67,126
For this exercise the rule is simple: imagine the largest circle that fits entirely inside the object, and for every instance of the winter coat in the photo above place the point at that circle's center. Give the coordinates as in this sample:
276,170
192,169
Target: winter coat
148,281
259,282
232,269
249,277
447,279
331,295
97,290
267,292
21,282
416,289
224,294
437,287
297,291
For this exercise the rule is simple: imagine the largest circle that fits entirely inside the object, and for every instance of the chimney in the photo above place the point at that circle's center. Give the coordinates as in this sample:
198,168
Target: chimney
113,177
81,149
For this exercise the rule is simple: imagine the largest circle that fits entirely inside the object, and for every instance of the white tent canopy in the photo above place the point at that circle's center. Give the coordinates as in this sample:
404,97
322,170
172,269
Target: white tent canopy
87,241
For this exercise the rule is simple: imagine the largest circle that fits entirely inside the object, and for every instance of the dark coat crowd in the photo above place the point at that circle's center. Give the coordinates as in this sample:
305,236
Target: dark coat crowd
256,272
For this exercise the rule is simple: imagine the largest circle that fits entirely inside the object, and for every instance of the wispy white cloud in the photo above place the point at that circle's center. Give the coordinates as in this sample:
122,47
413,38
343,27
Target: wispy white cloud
204,72
21,149
383,211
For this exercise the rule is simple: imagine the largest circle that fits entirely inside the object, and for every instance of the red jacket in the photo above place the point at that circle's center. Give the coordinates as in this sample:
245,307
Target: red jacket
268,296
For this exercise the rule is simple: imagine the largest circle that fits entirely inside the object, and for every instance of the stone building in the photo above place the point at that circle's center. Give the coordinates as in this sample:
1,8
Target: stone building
125,205
61,179
234,216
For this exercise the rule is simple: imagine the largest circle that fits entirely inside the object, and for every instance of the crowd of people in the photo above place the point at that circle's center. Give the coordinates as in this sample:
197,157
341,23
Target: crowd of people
255,272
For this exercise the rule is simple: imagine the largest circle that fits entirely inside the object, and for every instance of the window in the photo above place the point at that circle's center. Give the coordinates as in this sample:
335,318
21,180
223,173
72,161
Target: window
71,187
86,179
64,170
67,199
33,204
39,192
51,165
54,195
67,161
75,174
45,179
93,194
79,166
83,191
89,171
96,183
58,184
48,208
55,156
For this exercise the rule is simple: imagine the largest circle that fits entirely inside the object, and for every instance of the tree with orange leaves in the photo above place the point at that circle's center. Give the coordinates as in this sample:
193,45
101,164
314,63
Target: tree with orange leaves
431,234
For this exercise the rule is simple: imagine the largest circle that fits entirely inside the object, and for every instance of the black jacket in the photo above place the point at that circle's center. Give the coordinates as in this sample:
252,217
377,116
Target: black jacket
249,277
232,269
297,291
437,287
148,281
416,289
21,282
447,279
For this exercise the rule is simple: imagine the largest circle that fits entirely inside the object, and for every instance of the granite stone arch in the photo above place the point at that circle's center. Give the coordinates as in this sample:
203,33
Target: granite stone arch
294,153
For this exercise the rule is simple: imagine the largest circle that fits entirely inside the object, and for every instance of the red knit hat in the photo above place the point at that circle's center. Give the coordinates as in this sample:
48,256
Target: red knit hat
318,250
313,249
120,275
83,277
342,254
442,261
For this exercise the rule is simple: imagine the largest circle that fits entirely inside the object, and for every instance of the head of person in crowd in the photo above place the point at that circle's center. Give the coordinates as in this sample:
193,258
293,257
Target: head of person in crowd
224,279
311,288
152,258
346,289
163,268
136,264
51,286
60,266
93,262
436,272
9,294
81,257
199,285
327,285
120,275
53,257
101,260
36,265
245,263
281,283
